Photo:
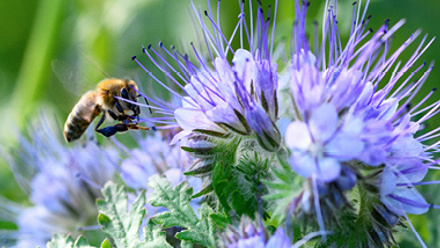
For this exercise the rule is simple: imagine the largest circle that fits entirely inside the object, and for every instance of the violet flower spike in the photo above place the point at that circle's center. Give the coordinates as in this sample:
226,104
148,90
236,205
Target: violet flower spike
346,112
222,96
62,183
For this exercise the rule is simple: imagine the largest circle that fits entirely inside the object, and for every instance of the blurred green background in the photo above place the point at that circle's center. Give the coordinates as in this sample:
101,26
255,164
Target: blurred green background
52,51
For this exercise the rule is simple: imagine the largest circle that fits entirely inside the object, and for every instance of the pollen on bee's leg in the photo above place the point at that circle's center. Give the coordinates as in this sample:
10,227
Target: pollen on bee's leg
136,127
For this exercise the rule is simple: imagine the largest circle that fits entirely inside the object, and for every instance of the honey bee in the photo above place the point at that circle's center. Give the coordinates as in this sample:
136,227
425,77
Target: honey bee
106,99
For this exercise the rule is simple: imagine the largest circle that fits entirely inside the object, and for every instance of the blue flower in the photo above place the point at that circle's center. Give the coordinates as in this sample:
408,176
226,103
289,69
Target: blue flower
222,96
348,107
155,156
397,191
62,183
249,234
319,146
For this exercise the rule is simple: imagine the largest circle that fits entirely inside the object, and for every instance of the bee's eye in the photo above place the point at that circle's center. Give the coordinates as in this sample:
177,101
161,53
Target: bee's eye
124,93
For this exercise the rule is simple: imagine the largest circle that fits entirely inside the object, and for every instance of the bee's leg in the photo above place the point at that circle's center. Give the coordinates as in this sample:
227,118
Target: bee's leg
107,131
113,115
136,127
116,117
112,130
121,127
118,106
100,121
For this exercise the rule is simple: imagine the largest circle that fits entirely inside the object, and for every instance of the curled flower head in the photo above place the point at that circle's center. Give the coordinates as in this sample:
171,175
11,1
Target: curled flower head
341,115
350,124
351,136
222,96
62,183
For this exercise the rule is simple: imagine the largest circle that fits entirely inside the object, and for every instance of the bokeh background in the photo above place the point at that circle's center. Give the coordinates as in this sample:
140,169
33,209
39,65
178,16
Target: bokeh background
52,51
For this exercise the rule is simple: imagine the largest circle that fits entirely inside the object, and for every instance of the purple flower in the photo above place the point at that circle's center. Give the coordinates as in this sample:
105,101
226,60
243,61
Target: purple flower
348,107
340,113
397,191
319,146
222,96
250,235
155,156
62,183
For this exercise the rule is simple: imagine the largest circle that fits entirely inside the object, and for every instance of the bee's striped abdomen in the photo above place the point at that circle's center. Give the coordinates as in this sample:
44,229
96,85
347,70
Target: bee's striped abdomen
81,116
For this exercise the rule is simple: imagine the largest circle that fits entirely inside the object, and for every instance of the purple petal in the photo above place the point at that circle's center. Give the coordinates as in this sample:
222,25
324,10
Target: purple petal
323,122
298,136
303,164
345,147
329,169
190,119
406,147
279,240
387,182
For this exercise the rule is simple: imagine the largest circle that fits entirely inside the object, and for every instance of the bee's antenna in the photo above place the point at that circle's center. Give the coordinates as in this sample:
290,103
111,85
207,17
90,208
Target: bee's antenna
148,103
96,65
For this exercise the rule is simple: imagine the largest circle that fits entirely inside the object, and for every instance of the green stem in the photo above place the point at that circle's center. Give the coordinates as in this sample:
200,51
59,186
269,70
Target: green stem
31,82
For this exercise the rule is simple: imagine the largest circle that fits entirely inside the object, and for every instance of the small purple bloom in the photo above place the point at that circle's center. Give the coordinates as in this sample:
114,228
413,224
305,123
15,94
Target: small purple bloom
397,191
249,234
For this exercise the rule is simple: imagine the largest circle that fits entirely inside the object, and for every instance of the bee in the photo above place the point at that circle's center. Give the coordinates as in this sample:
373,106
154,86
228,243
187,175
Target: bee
106,99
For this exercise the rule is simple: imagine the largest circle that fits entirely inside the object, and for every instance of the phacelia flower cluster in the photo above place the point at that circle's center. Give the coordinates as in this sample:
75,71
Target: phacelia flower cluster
326,142
350,128
62,183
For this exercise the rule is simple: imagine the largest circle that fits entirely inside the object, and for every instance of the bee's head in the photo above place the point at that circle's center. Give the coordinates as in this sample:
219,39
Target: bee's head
129,93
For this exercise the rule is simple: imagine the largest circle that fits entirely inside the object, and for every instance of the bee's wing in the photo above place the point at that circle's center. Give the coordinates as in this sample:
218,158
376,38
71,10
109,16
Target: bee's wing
69,76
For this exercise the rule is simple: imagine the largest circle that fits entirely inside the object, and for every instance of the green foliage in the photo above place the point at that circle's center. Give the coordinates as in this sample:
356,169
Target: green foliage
197,230
238,186
283,189
114,218
65,241
123,226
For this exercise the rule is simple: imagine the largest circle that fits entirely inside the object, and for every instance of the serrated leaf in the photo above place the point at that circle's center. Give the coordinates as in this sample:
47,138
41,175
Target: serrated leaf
206,190
66,241
81,242
154,237
180,213
121,225
177,201
60,241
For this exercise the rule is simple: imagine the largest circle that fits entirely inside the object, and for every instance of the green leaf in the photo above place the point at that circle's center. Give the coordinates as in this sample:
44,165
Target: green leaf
186,244
239,185
283,188
154,237
66,241
180,212
221,219
81,242
106,244
122,225
60,241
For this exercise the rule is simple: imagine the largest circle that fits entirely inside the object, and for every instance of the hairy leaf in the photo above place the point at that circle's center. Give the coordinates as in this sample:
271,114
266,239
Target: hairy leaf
177,200
66,241
122,225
